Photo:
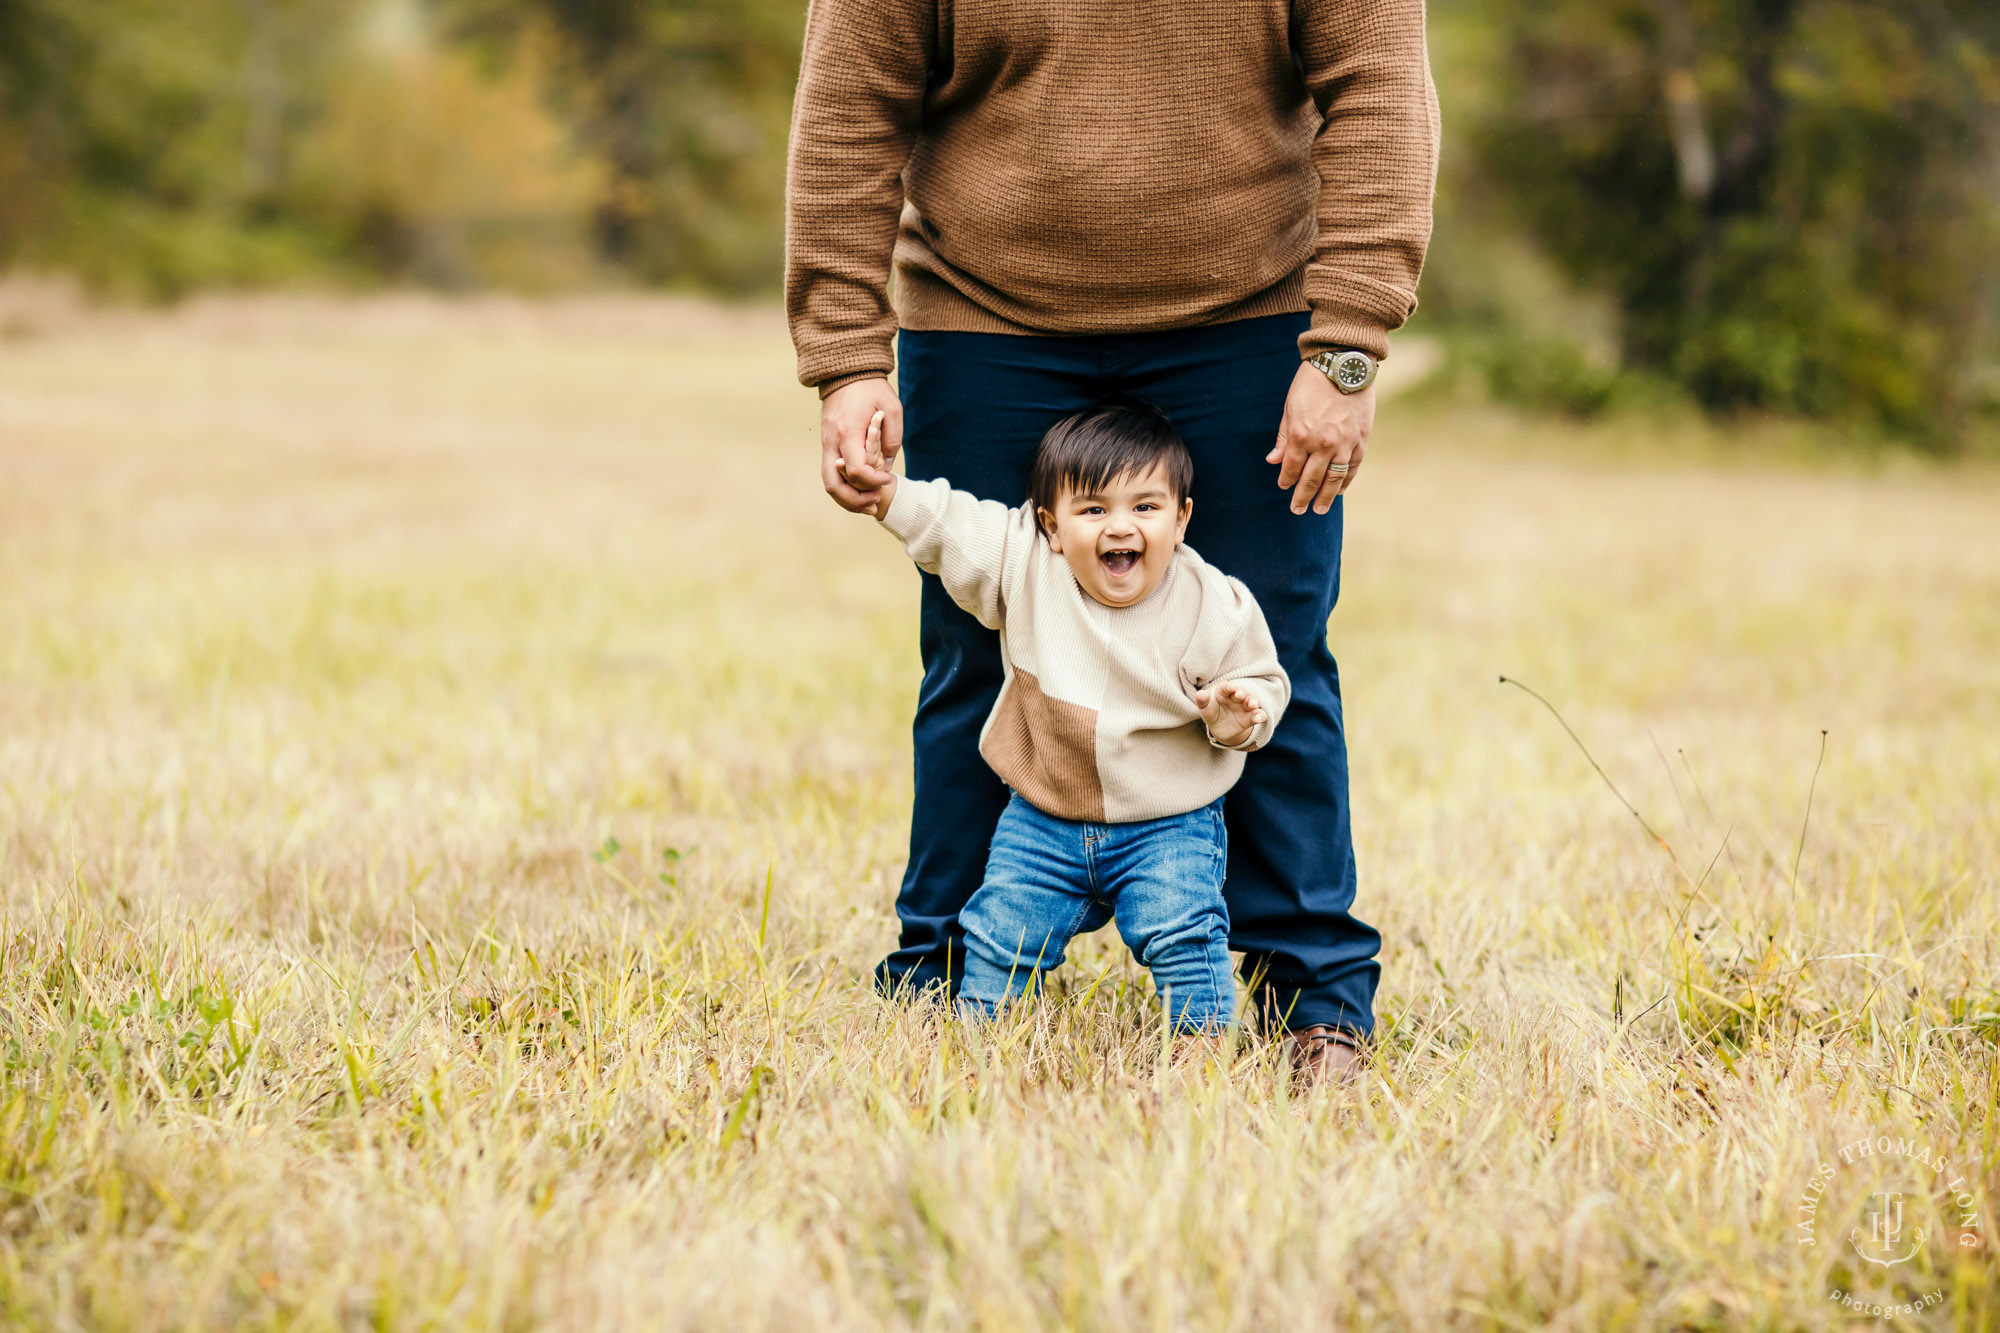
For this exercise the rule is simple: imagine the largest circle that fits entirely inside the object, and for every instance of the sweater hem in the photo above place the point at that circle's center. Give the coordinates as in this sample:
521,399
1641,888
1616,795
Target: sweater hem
928,303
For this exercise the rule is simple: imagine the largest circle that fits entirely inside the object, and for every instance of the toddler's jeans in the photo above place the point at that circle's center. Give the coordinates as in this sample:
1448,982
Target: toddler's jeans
1159,879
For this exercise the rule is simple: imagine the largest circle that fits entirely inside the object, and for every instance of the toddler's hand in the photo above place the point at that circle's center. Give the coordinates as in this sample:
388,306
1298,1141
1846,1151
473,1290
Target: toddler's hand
874,458
1231,713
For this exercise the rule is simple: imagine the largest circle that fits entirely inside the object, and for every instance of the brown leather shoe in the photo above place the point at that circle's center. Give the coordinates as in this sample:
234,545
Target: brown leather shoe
1323,1056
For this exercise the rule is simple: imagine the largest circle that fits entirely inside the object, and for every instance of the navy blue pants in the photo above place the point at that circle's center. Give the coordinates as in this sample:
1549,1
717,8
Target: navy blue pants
975,405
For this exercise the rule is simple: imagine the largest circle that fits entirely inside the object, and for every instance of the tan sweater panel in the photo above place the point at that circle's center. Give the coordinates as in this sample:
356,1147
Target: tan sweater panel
1096,718
1085,166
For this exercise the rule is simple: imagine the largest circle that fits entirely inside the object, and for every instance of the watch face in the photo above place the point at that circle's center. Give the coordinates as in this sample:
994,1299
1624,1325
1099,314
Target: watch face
1352,371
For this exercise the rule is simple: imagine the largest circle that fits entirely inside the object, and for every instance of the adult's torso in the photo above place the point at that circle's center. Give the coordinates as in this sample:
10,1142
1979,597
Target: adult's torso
1108,165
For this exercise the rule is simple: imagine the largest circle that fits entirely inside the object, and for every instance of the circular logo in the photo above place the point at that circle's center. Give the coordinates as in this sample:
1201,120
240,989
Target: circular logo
1890,1212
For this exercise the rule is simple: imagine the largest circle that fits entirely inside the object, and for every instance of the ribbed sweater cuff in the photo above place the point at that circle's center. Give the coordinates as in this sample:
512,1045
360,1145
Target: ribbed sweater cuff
828,365
1352,310
913,502
826,387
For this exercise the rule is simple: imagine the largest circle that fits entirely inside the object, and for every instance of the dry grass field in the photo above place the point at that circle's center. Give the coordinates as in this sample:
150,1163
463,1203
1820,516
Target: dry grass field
453,764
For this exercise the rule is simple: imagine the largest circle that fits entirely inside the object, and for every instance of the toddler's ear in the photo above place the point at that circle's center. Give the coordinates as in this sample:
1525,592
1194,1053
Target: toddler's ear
1180,528
1047,522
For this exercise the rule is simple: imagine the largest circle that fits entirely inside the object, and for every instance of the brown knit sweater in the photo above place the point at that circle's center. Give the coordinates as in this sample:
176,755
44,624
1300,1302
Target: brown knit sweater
1093,166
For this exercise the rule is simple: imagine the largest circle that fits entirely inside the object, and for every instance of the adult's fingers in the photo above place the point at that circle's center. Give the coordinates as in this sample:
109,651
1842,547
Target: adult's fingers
892,428
844,466
853,453
1311,478
1334,482
1289,455
1353,460
849,497
856,416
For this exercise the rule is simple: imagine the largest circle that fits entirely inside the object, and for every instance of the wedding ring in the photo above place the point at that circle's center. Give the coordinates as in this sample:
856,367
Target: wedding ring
1337,469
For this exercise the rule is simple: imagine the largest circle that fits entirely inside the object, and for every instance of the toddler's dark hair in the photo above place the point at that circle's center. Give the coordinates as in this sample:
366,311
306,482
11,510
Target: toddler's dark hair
1105,441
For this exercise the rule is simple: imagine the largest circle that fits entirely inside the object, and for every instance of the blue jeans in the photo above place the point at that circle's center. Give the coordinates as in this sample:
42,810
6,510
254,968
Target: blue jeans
1159,879
975,405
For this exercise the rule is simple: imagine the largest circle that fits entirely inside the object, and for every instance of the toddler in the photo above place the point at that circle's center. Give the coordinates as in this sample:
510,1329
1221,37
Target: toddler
1137,678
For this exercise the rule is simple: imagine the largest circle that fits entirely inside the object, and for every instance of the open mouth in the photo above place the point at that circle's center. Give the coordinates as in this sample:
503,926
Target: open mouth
1119,563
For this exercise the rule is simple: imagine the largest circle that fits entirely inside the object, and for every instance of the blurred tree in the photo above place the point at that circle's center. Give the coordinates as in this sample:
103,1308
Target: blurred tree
28,50
432,169
686,103
1792,202
162,145
140,140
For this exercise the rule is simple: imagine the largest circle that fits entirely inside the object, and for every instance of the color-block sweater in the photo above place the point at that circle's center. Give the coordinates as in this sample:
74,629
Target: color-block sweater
1096,719
1104,166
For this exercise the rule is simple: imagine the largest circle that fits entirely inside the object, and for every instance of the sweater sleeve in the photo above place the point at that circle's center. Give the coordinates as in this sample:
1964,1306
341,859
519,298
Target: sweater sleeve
1232,645
860,97
975,547
1368,71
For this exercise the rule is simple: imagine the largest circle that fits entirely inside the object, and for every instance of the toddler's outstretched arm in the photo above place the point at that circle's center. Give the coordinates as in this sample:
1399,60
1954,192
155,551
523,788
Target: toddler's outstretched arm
970,544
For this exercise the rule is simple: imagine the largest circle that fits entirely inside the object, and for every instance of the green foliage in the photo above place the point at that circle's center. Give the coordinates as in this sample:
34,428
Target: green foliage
138,138
157,146
430,168
1792,203
1551,373
686,103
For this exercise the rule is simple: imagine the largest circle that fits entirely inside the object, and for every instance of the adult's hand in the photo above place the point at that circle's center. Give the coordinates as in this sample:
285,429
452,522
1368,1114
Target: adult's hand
844,415
1323,428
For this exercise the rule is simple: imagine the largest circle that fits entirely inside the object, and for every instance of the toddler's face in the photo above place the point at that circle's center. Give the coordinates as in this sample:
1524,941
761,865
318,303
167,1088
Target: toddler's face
1119,538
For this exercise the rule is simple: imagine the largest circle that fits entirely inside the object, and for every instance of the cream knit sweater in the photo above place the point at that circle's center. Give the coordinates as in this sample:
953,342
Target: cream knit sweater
1096,719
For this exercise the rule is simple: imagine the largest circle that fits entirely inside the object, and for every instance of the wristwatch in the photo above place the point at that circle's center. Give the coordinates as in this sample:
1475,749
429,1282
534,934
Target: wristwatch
1350,371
